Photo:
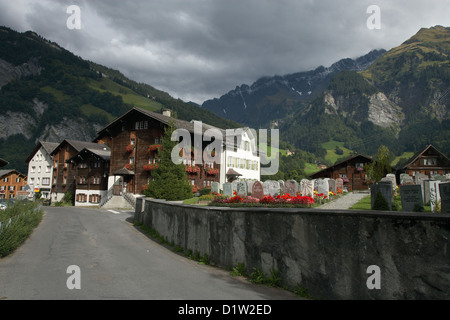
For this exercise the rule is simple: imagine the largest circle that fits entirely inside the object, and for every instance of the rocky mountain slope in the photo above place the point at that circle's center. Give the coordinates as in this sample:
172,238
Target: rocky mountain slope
48,93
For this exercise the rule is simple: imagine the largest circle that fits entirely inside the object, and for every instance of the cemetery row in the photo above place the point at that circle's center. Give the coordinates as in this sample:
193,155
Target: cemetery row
258,189
415,193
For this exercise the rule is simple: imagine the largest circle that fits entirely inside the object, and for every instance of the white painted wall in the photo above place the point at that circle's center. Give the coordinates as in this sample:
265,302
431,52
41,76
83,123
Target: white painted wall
40,168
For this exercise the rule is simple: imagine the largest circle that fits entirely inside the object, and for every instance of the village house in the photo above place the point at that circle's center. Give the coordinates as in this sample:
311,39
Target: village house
350,170
12,184
91,174
428,161
40,168
135,142
65,173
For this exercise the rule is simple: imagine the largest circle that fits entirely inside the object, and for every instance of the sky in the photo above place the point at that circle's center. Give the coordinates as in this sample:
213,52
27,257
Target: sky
200,49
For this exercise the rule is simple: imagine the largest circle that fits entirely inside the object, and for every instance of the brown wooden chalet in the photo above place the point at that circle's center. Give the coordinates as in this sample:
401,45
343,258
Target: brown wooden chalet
12,183
428,161
135,142
91,174
65,173
350,170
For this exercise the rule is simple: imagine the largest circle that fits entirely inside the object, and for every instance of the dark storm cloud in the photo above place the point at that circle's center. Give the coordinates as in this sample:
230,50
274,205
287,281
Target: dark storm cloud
198,49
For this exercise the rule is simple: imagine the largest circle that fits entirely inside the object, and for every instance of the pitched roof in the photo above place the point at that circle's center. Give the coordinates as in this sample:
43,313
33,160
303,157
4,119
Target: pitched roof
104,153
80,145
419,154
179,124
6,172
48,147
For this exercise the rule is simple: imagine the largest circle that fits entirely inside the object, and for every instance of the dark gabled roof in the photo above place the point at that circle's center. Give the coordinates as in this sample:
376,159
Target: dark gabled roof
123,172
48,147
418,154
232,172
341,162
3,162
6,172
104,153
179,124
80,145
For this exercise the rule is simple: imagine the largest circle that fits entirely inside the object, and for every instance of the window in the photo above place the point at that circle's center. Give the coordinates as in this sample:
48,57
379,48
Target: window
133,141
131,160
33,169
18,179
12,188
96,180
38,181
141,125
97,164
31,180
83,165
5,179
156,140
65,180
45,181
82,180
48,169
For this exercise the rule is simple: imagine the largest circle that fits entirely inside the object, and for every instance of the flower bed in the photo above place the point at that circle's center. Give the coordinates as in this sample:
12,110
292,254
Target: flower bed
129,166
192,169
155,147
267,201
150,167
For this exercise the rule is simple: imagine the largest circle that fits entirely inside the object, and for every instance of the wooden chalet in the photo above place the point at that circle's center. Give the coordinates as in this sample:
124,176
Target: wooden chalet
12,184
135,142
427,161
350,170
91,174
64,172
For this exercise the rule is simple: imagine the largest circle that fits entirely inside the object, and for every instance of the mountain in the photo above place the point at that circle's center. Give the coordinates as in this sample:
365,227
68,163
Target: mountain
399,98
272,98
48,93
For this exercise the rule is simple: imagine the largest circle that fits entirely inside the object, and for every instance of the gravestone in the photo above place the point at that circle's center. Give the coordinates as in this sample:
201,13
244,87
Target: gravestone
307,188
271,188
228,189
332,185
281,182
258,190
444,191
323,187
315,183
234,184
385,187
215,187
391,177
411,196
426,191
339,184
250,185
434,195
291,187
406,179
419,178
241,189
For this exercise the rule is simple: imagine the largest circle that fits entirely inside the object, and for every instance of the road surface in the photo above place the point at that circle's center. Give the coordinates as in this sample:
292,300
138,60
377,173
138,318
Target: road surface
115,261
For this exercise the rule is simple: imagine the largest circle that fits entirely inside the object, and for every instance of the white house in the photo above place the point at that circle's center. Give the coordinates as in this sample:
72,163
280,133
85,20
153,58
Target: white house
40,168
240,157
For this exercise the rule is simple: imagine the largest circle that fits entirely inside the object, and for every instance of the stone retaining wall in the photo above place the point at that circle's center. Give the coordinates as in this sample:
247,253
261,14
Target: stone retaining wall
326,252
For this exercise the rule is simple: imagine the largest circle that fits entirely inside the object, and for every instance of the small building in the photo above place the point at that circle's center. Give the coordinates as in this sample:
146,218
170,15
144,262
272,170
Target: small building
427,161
12,184
65,173
40,168
91,172
350,170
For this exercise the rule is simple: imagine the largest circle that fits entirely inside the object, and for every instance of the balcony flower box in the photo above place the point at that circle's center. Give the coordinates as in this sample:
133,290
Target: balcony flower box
155,147
212,171
150,167
129,166
130,148
192,169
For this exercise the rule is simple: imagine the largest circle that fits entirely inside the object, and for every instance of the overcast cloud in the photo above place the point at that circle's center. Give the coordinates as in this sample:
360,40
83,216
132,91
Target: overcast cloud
200,49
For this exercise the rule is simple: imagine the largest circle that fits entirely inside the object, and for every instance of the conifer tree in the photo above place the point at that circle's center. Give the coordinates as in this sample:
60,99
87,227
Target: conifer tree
169,179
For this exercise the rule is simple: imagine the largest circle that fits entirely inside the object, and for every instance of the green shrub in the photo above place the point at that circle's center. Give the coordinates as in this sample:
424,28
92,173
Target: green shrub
25,216
380,203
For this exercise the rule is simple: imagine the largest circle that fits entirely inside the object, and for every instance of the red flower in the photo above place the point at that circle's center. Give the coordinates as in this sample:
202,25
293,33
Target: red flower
130,148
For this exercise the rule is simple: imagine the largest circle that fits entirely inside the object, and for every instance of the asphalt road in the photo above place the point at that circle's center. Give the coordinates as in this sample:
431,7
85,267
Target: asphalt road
116,261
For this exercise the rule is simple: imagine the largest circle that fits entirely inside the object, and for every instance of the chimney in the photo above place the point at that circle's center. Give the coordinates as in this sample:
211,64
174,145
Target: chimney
166,112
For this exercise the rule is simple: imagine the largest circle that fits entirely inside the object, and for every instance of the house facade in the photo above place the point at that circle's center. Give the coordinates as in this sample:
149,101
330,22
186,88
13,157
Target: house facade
135,142
350,170
12,184
40,168
65,173
427,161
91,168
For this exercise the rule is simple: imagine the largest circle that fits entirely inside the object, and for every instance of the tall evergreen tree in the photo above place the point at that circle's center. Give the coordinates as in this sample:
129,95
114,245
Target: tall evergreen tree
169,179
380,165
